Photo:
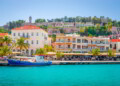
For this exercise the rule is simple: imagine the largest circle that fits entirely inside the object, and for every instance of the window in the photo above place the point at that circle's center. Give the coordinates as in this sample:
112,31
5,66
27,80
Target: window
27,42
68,46
23,34
18,34
13,34
27,34
37,41
78,41
78,47
74,46
37,34
32,42
32,34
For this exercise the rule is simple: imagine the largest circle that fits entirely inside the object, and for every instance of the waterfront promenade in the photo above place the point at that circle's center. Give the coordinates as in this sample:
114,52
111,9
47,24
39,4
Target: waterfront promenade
84,62
4,63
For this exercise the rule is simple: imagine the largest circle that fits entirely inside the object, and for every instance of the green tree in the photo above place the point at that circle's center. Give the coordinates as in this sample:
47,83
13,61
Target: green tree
109,26
48,48
21,44
5,50
44,27
95,52
59,55
14,24
111,53
40,51
40,20
7,40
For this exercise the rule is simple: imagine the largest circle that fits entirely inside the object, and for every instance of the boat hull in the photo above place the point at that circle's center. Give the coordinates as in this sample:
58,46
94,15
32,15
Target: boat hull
26,63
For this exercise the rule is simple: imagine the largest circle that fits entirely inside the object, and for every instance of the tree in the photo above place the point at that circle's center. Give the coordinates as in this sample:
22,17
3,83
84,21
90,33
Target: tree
7,40
1,42
40,51
48,48
21,44
111,53
59,55
44,27
109,26
2,30
5,50
14,24
95,52
40,20
61,31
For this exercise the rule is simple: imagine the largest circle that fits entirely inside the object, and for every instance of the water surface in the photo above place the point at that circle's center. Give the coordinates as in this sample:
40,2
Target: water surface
61,75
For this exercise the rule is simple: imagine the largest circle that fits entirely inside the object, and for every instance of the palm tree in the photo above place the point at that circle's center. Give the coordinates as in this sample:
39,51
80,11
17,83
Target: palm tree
21,44
5,50
40,51
48,48
95,52
1,42
7,40
59,55
111,53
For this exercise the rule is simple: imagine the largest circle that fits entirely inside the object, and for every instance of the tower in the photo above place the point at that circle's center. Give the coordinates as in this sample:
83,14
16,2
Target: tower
30,19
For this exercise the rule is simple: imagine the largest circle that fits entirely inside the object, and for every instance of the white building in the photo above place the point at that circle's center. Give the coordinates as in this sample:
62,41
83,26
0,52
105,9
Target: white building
37,37
77,43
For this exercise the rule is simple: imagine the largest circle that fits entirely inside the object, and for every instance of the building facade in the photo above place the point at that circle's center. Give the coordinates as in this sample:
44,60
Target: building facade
115,44
36,37
76,43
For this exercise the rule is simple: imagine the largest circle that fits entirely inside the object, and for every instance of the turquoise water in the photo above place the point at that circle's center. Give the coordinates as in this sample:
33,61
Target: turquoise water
61,75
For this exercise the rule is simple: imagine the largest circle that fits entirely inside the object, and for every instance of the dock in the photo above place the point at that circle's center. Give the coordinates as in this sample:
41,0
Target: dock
83,62
3,63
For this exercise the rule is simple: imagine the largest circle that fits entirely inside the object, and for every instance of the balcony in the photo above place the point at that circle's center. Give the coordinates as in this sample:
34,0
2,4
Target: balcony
74,41
68,41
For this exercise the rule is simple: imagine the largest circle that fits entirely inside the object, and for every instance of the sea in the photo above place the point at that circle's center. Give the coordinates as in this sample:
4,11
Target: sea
61,75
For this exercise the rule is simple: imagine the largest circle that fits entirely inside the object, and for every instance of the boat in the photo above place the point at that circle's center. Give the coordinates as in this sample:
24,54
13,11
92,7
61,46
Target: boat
39,61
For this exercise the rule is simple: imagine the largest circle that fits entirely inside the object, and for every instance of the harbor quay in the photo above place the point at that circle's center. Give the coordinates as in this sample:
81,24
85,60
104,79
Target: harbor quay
83,62
5,63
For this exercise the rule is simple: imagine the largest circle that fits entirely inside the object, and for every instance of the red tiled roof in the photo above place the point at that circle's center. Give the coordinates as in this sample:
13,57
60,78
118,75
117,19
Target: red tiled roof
26,27
3,34
115,40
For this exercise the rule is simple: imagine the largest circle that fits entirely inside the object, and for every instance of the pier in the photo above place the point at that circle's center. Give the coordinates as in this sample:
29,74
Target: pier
83,62
5,63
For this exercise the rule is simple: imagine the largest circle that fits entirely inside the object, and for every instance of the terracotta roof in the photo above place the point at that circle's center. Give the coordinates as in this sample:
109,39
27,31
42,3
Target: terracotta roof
27,27
115,40
3,34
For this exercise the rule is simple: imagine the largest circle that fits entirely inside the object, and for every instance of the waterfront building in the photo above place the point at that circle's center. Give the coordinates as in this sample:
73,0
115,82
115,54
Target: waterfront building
77,43
115,33
115,44
36,37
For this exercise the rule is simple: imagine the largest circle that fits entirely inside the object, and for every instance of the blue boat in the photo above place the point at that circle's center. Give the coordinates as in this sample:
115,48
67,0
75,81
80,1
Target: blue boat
39,62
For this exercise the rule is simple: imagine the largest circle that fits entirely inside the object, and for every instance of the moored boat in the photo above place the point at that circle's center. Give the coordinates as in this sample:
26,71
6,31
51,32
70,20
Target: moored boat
39,61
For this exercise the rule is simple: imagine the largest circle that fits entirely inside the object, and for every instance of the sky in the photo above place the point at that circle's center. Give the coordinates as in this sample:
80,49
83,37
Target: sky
12,10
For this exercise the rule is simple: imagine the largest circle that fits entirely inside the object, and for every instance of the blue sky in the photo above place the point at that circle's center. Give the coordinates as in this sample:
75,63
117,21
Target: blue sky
11,10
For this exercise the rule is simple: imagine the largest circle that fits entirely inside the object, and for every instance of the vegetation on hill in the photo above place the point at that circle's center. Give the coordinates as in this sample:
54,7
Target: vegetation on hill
94,31
2,30
95,20
14,24
40,20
